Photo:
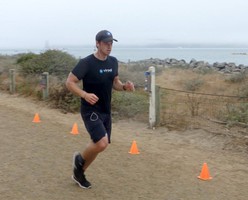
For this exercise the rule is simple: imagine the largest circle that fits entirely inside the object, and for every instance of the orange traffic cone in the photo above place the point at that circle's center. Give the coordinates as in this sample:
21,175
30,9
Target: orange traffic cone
205,173
134,148
74,129
36,118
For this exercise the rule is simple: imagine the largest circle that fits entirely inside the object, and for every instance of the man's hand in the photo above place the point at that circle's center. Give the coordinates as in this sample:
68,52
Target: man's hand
129,86
91,98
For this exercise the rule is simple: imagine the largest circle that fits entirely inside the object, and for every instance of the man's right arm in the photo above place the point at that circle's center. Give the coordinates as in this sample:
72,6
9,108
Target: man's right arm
72,85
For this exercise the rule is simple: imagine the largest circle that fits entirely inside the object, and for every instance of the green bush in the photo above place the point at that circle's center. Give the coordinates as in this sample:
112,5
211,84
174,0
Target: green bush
25,57
54,62
130,105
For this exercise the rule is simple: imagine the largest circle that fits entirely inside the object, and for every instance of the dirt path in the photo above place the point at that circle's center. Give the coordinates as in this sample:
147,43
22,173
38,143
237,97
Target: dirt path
36,159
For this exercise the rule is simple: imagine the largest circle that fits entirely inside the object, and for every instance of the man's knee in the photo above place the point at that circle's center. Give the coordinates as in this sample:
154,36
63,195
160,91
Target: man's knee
102,144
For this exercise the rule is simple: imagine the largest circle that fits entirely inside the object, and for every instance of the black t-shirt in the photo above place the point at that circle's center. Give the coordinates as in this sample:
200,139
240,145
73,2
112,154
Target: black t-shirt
97,77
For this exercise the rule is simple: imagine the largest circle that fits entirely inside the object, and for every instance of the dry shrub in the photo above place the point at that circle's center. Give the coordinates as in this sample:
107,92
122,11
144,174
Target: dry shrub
236,77
174,121
4,81
29,86
61,97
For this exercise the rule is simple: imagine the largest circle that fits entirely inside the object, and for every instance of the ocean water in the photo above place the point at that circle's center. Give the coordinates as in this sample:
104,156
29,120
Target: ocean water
211,55
126,54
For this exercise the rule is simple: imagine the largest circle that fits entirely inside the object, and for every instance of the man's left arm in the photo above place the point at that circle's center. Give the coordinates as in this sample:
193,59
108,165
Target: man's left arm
118,85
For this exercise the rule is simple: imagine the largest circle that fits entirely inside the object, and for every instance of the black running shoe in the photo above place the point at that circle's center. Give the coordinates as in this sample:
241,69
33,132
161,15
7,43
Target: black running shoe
77,164
82,181
78,173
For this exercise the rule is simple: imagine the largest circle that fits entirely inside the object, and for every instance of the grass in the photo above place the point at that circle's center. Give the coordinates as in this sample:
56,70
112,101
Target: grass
179,108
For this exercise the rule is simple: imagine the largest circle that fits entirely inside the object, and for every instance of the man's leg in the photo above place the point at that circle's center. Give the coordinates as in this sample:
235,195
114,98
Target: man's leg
92,150
99,127
78,172
82,162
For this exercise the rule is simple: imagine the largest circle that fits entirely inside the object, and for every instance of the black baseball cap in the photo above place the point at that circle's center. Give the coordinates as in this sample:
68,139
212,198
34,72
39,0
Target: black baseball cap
105,36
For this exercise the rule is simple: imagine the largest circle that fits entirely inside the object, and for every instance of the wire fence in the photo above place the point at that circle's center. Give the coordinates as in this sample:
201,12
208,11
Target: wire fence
180,108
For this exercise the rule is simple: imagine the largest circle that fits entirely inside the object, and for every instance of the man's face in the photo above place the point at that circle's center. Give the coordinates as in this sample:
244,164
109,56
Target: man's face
105,47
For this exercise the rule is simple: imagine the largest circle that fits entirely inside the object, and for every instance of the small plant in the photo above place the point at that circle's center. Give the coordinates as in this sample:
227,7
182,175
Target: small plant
204,70
236,78
193,85
243,92
193,104
237,113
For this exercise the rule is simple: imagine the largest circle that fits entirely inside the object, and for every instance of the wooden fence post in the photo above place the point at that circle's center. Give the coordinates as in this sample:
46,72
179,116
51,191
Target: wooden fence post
157,94
152,107
12,85
153,91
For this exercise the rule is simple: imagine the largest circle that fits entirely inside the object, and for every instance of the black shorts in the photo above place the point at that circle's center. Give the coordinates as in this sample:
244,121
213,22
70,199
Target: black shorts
97,124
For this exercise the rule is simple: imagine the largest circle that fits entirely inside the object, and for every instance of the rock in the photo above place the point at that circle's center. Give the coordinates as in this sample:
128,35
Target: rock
194,64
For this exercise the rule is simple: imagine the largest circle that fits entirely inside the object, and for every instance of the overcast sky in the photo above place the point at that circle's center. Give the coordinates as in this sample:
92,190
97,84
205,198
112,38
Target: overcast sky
35,23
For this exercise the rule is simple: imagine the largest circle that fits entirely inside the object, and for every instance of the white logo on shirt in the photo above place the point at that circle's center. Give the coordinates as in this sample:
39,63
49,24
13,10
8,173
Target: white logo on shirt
105,71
